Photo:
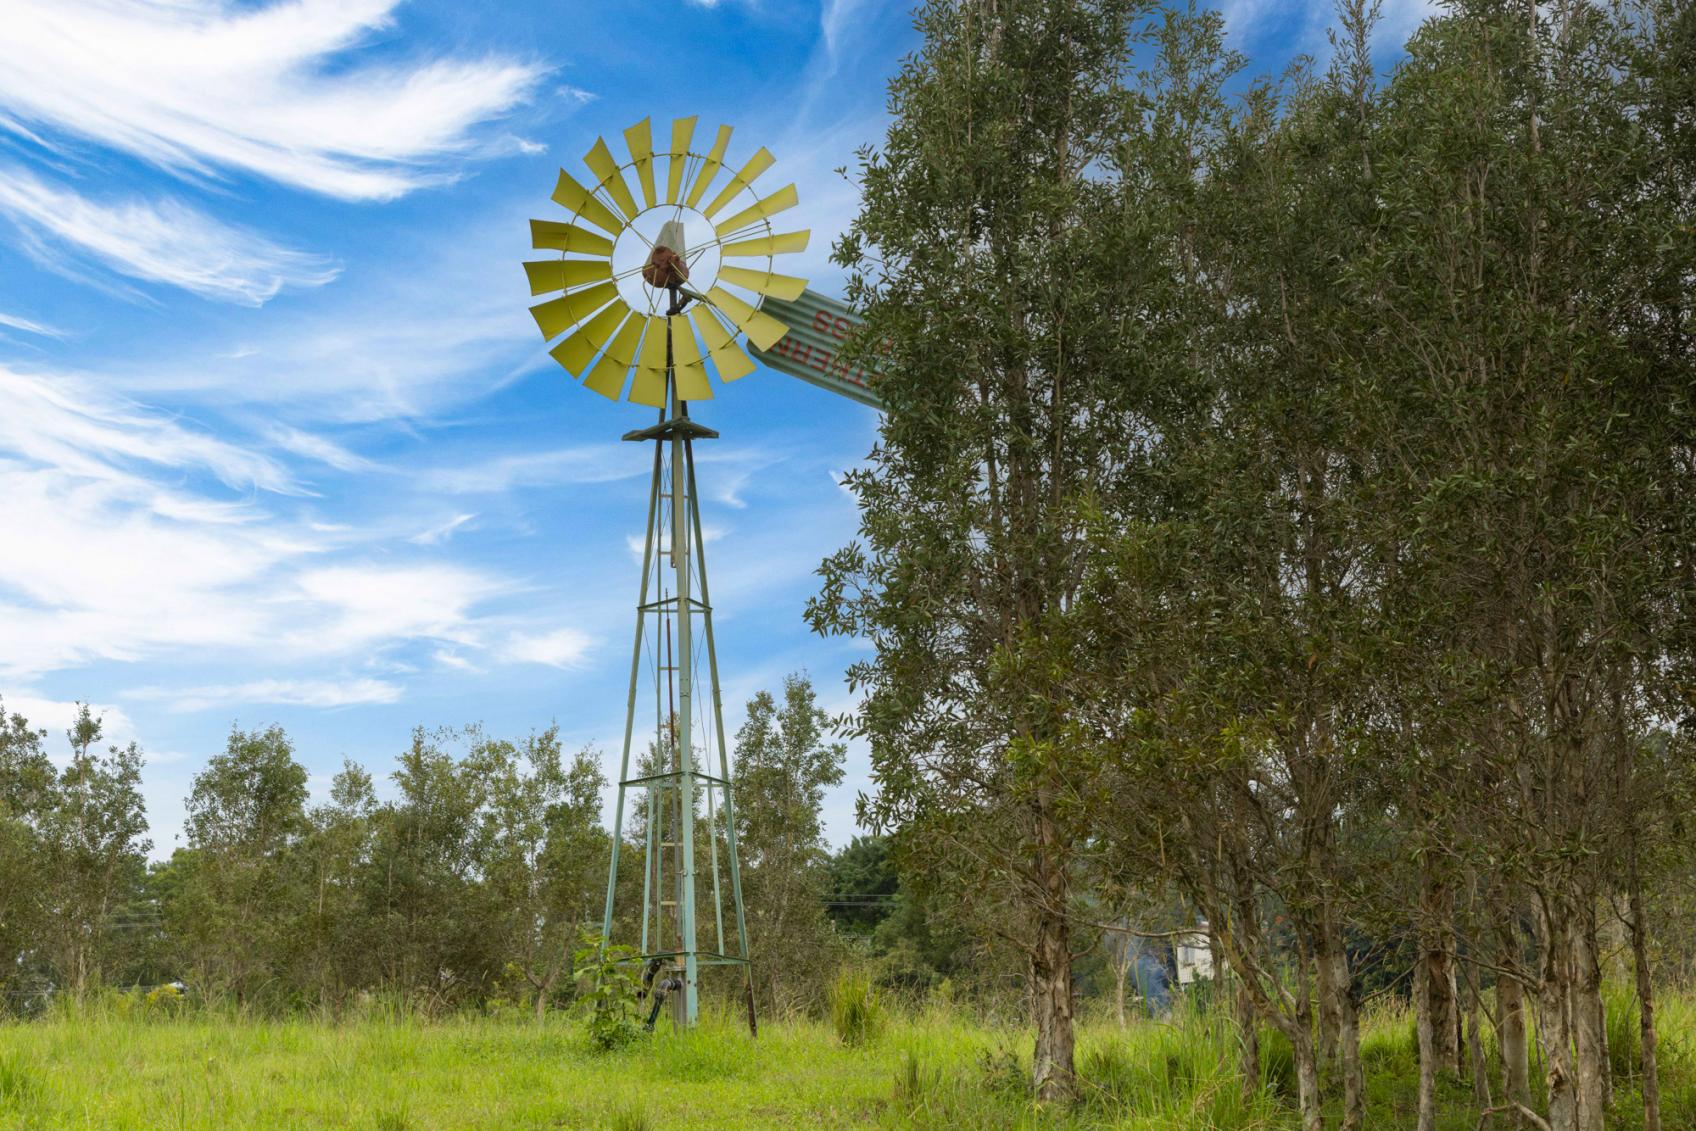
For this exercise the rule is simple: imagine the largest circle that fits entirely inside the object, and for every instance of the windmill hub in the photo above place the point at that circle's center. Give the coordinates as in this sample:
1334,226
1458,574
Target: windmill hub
664,247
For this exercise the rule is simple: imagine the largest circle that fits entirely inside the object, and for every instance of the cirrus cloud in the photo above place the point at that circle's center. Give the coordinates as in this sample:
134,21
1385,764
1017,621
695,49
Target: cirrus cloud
199,86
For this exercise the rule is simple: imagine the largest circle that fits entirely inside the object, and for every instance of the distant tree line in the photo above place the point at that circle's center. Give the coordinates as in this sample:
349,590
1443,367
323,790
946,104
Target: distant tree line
465,886
1285,505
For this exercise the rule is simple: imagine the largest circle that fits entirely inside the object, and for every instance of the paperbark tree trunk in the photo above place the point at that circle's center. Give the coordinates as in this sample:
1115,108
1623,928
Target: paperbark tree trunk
1560,1074
1336,996
1590,1030
1248,1040
1510,1001
1645,993
1475,1043
1052,1072
1427,1037
1437,955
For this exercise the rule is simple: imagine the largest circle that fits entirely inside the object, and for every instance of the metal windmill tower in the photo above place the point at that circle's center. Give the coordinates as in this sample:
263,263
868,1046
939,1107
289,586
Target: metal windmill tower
643,312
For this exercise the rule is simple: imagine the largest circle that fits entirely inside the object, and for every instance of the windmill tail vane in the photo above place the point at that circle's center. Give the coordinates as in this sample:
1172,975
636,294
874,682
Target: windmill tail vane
652,299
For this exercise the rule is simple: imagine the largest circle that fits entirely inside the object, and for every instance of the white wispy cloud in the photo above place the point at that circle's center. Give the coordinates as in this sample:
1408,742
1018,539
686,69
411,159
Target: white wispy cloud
411,336
441,532
372,603
131,536
29,325
161,241
319,448
69,423
201,86
561,648
588,463
282,692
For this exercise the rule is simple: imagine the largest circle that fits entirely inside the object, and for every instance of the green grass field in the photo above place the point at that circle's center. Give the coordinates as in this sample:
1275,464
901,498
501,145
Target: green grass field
112,1068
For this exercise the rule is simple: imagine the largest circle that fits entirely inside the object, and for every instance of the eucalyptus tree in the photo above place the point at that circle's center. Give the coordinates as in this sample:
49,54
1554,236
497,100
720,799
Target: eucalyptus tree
27,788
1536,423
978,264
244,897
93,850
422,877
544,855
1235,622
784,763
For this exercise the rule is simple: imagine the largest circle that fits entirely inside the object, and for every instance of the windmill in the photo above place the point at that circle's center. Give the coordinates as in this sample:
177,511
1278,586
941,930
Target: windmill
643,309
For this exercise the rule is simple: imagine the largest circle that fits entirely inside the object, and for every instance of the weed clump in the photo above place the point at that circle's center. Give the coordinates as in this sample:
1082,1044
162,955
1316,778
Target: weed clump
855,1009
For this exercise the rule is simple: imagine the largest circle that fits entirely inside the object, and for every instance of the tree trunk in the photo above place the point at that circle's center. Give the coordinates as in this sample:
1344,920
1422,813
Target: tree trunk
1555,1023
1475,1043
1589,1024
1307,1080
1121,971
1308,1092
1510,1001
1336,990
1248,1039
1425,1031
1645,995
1437,956
1052,1072
1051,1003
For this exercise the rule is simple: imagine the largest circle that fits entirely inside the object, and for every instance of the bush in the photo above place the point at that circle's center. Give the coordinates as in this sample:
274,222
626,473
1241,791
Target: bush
855,1009
614,1013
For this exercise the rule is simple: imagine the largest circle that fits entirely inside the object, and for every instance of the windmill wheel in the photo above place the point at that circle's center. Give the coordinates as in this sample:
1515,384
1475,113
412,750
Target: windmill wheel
619,260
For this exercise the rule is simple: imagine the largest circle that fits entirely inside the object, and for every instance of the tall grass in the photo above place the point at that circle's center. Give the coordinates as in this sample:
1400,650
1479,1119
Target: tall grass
855,1008
108,1067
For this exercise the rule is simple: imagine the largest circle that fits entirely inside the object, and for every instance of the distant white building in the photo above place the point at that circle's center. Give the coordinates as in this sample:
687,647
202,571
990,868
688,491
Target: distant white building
1193,957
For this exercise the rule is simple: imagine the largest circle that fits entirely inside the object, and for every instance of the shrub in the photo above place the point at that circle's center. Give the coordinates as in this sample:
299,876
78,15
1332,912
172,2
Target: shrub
855,1009
610,994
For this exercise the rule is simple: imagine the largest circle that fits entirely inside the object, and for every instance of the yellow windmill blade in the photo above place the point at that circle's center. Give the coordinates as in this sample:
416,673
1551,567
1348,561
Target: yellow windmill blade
778,244
558,315
610,372
640,139
553,235
769,283
610,177
762,209
730,359
576,351
563,274
569,194
688,367
682,132
710,165
649,386
741,179
762,329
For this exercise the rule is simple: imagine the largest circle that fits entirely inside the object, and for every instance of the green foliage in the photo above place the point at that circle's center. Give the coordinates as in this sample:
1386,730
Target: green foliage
855,1009
610,982
784,764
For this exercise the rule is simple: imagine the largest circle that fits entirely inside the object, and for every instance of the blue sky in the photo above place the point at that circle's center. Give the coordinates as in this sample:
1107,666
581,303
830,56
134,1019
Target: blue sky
278,439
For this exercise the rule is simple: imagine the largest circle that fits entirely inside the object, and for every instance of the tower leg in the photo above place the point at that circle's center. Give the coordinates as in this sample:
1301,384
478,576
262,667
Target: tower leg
682,503
630,716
